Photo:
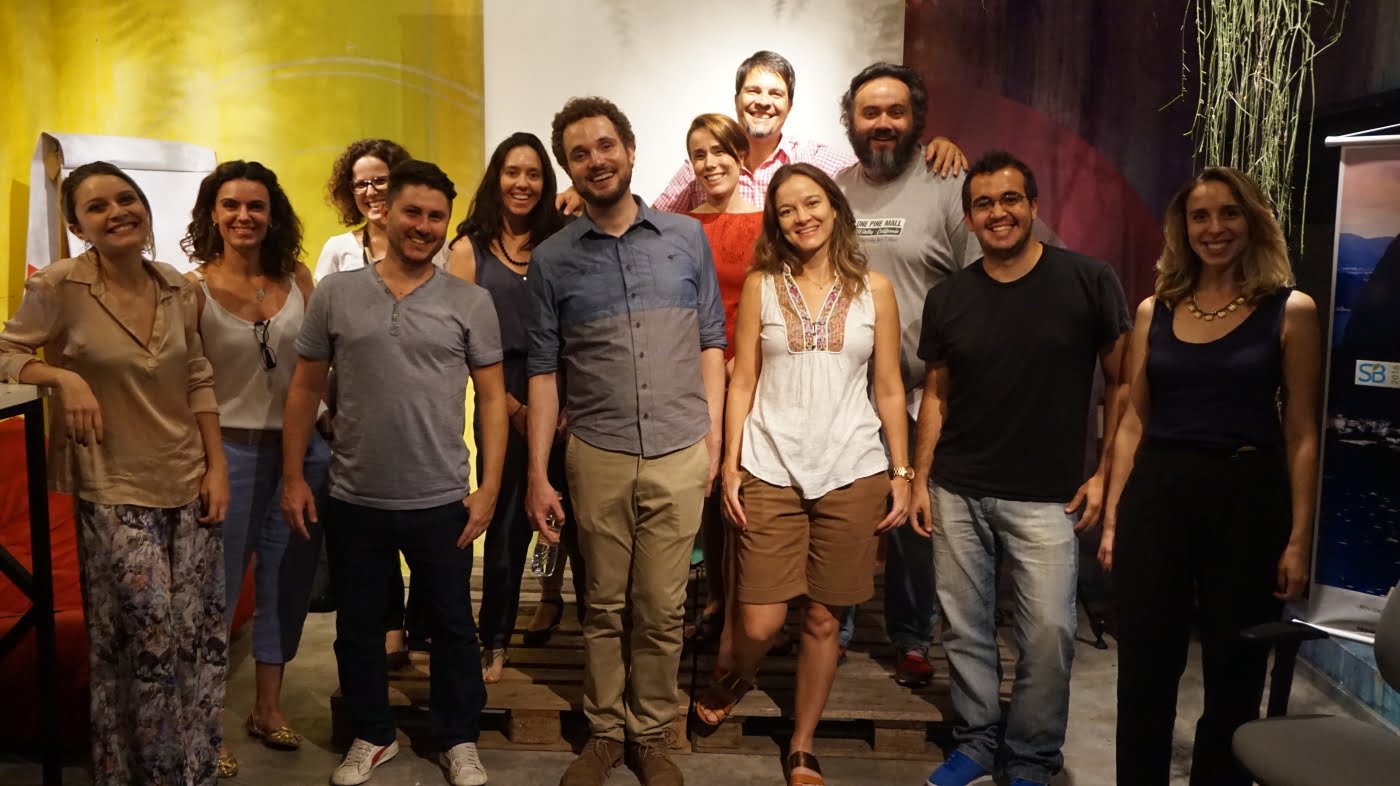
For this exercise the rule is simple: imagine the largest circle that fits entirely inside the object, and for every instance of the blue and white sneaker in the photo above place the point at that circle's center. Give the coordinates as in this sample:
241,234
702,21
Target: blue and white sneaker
956,770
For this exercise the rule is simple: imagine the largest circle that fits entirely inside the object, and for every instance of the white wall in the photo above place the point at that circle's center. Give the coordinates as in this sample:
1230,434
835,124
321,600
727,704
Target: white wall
665,61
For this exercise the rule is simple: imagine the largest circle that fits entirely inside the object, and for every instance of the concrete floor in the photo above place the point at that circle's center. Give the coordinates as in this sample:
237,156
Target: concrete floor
312,678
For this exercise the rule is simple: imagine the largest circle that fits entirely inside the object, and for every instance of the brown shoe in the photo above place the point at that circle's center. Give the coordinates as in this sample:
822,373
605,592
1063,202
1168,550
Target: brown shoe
650,761
594,763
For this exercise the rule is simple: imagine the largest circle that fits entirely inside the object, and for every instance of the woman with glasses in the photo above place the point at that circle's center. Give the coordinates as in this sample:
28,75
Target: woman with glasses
134,436
358,189
252,297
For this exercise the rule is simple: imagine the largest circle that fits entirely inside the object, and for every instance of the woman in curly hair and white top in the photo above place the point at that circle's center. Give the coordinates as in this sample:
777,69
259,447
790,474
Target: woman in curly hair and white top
805,472
357,190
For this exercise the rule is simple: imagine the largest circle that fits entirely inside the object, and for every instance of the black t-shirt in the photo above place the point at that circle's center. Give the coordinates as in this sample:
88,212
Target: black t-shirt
1020,360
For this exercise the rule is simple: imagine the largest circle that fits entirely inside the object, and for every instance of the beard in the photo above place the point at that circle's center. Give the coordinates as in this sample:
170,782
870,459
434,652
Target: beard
997,254
598,199
399,245
769,127
884,164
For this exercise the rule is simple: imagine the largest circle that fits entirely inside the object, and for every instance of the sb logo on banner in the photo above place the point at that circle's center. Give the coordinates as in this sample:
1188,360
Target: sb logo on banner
1377,373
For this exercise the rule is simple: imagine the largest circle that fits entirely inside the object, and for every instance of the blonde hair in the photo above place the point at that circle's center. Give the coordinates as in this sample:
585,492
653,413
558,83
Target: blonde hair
1265,267
772,251
726,132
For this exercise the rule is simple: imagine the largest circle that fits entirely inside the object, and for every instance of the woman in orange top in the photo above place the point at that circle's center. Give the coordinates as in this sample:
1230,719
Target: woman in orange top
717,147
134,435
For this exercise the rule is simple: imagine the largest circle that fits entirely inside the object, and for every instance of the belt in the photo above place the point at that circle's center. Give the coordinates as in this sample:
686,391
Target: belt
263,438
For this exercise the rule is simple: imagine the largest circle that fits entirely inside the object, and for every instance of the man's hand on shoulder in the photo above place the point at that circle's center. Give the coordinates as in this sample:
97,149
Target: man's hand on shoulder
569,202
944,158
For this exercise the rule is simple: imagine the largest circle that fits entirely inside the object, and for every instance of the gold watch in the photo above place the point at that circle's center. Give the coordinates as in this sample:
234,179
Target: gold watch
903,472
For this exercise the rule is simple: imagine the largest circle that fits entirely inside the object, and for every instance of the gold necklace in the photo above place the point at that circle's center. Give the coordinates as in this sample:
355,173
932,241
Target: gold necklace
1210,316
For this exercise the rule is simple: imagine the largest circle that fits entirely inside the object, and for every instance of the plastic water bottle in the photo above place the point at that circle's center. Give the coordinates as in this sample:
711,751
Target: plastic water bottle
545,560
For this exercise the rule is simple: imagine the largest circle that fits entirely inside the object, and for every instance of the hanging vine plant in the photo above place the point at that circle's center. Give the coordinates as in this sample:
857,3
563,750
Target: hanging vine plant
1255,66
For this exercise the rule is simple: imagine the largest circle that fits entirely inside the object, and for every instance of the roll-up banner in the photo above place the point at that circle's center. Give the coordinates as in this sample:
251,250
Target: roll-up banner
1357,542
168,173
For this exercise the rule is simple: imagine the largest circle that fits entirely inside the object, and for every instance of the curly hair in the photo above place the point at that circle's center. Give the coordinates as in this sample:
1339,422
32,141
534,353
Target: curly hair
340,192
69,189
486,216
576,109
281,249
1265,267
772,253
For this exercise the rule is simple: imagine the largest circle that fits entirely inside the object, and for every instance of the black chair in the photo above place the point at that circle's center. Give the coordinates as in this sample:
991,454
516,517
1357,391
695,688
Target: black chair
1320,750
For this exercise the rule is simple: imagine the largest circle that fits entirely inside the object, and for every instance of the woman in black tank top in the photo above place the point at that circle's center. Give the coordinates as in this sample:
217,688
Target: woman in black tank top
1210,503
512,212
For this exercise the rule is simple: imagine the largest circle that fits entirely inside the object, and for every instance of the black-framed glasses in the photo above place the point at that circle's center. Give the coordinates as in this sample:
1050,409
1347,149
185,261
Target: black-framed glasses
380,183
269,358
1008,201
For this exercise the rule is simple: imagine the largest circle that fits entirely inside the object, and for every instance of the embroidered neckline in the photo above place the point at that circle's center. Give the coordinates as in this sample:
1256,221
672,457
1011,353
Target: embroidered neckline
824,333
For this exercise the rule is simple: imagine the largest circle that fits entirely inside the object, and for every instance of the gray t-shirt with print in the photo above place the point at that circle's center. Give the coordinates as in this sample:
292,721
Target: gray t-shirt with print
402,368
911,229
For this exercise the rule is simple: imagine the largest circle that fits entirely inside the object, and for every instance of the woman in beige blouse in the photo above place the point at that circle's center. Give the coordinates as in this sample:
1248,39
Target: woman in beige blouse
134,435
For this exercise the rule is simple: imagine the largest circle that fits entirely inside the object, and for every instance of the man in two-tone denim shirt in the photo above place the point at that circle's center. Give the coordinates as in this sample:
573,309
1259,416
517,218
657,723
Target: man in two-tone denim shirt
627,308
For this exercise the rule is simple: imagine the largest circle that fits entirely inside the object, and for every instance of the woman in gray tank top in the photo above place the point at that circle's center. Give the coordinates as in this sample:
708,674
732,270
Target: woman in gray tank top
511,214
252,297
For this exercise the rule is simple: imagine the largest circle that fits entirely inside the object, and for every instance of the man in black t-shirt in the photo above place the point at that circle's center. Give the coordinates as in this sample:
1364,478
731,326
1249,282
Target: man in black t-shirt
1010,344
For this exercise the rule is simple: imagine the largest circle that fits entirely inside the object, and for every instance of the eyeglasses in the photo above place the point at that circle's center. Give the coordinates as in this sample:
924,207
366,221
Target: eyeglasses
380,183
269,358
1008,201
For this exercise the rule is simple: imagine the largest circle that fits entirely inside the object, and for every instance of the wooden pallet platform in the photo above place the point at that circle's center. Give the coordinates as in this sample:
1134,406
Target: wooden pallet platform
867,714
537,705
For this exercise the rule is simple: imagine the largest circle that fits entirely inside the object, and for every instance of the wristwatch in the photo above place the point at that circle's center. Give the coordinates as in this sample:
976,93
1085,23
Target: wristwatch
903,472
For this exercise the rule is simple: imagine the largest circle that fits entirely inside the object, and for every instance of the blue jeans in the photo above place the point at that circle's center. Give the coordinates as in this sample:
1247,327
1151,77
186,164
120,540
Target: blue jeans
286,562
1038,545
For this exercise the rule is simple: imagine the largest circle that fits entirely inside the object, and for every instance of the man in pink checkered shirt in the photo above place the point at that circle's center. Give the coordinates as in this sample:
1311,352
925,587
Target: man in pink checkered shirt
763,90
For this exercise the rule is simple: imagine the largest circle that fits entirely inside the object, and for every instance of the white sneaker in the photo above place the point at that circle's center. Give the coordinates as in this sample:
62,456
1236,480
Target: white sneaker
463,765
361,760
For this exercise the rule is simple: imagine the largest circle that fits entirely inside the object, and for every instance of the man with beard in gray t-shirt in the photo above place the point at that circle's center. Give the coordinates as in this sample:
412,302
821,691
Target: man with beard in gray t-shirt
911,228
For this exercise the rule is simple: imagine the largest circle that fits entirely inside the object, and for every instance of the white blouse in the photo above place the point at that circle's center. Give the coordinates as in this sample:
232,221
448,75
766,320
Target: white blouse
813,425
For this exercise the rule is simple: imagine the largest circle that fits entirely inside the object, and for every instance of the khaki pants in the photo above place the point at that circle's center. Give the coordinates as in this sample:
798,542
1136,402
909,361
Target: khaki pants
637,519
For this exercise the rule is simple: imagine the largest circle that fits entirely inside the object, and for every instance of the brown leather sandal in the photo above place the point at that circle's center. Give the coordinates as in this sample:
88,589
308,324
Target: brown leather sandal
807,761
720,699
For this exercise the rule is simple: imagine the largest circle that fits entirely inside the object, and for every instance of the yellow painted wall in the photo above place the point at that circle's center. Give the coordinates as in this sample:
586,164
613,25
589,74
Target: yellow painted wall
288,84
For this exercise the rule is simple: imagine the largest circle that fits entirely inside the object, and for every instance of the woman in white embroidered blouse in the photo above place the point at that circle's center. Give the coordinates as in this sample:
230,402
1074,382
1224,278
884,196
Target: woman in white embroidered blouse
805,472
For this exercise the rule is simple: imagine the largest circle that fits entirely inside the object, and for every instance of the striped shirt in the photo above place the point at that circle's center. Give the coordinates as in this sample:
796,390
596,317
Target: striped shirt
625,319
684,192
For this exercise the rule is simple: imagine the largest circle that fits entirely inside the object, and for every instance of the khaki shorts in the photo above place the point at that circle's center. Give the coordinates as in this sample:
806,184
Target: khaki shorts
822,548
